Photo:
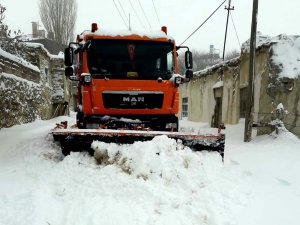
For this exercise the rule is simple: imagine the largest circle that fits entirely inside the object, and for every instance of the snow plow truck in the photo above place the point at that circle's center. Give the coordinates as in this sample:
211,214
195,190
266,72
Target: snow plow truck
127,90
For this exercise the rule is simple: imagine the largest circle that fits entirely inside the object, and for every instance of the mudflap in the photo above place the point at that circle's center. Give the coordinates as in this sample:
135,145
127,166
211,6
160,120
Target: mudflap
81,140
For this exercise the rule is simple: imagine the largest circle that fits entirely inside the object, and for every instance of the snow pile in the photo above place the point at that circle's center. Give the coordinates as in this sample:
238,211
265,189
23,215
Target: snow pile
160,158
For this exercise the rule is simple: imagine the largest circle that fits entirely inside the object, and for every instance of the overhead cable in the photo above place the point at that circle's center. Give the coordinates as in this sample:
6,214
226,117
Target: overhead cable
156,13
139,19
203,22
124,14
237,36
145,14
120,14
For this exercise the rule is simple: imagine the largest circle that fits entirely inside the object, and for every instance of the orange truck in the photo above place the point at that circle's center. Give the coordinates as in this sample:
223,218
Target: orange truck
127,88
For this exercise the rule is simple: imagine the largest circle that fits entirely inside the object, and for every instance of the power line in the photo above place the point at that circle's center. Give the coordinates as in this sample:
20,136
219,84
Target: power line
203,22
139,19
123,10
237,36
120,14
156,12
145,14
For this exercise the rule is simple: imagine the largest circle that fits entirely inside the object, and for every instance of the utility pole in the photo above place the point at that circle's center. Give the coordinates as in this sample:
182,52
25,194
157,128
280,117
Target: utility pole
228,11
249,104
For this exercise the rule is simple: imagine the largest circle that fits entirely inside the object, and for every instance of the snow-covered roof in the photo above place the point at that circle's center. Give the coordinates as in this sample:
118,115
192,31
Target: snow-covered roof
122,33
286,55
218,84
38,45
210,69
285,51
261,40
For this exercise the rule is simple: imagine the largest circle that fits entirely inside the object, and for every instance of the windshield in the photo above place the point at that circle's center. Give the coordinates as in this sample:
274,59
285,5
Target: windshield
124,59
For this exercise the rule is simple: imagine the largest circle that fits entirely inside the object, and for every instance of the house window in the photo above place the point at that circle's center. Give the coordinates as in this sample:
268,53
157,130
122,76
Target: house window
185,107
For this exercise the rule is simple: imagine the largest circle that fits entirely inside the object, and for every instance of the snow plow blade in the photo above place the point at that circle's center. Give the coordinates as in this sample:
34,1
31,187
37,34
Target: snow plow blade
81,139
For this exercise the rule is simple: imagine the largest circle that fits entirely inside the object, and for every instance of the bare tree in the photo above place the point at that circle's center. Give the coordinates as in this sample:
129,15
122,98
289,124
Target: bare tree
59,18
3,26
201,60
232,54
10,39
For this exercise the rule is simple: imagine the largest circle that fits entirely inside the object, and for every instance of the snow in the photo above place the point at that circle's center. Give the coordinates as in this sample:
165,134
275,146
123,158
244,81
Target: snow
285,52
154,182
14,77
218,84
114,33
18,60
60,55
280,106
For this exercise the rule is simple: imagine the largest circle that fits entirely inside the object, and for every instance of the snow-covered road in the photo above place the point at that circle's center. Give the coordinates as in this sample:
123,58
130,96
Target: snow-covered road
257,184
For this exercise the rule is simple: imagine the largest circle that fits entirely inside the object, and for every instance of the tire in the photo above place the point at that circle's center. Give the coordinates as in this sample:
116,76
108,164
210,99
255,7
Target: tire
80,120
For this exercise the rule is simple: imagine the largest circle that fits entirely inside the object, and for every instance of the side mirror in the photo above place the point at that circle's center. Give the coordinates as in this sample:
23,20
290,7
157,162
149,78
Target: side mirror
188,60
189,74
69,53
69,71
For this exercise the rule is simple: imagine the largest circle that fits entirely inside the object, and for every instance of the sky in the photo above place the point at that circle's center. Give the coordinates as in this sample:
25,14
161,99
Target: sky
181,17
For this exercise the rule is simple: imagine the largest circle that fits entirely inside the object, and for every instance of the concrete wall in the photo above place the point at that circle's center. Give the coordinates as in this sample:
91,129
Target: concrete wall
203,90
200,96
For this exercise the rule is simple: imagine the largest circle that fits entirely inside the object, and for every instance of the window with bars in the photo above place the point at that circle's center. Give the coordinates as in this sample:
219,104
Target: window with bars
185,107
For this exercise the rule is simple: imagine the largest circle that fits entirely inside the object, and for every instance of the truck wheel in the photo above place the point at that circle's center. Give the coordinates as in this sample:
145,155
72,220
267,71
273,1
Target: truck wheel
80,120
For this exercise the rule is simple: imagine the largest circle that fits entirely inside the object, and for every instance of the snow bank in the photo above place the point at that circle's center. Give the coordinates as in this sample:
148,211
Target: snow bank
160,158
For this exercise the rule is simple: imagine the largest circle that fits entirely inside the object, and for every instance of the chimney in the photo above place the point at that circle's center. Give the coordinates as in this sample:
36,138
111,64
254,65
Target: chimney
34,29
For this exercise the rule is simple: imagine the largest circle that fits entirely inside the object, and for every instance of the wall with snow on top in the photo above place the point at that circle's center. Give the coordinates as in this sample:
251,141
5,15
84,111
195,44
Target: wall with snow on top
22,101
30,87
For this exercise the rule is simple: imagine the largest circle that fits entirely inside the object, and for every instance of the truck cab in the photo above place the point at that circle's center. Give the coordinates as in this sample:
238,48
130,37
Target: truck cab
126,79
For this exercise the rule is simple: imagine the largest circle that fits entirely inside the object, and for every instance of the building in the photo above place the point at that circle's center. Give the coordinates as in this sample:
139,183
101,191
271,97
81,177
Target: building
217,94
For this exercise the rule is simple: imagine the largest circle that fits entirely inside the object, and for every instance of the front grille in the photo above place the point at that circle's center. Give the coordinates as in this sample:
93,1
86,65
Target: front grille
132,100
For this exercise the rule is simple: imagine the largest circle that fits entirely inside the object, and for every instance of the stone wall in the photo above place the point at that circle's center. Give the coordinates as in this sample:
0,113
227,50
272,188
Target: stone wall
30,89
22,101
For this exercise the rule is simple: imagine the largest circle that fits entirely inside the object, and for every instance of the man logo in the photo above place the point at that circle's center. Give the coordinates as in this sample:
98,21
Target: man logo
133,100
